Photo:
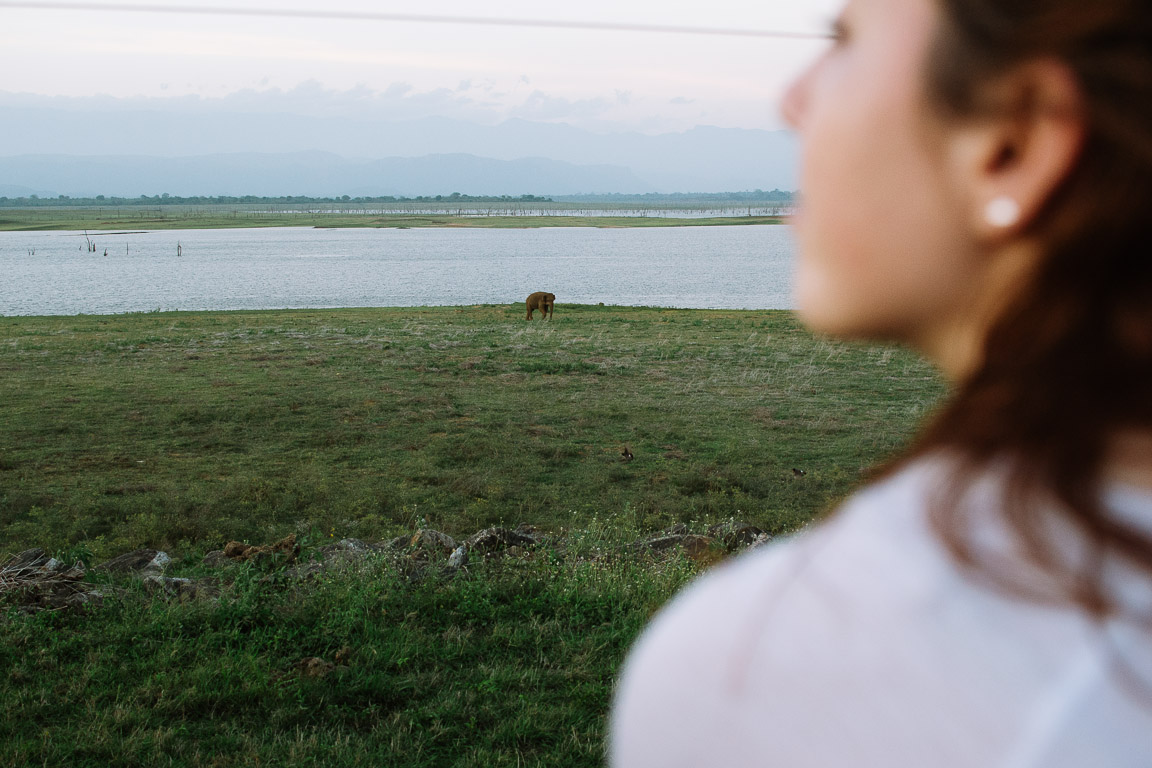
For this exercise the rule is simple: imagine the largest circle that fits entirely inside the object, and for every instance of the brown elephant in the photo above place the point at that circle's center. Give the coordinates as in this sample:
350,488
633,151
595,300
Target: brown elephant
542,301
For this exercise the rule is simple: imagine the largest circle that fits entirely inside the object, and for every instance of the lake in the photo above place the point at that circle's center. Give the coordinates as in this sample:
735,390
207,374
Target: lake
730,267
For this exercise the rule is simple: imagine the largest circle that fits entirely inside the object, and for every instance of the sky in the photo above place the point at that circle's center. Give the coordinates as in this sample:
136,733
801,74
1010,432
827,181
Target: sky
595,80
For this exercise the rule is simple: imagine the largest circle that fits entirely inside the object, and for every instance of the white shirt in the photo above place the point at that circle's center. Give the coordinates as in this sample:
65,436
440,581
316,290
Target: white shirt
861,643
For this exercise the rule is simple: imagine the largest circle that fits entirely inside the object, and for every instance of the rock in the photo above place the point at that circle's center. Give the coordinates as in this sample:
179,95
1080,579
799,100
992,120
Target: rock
340,554
286,546
216,559
492,540
29,559
662,543
235,549
136,561
762,539
244,552
36,565
348,549
35,562
179,588
430,541
703,550
400,542
734,534
302,571
693,545
159,563
459,557
75,573
33,582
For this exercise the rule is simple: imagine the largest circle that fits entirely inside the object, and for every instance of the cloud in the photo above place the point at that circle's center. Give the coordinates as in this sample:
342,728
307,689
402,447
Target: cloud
398,101
482,100
541,106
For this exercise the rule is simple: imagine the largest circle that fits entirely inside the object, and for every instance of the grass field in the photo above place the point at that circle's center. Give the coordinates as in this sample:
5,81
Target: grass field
181,431
186,429
124,217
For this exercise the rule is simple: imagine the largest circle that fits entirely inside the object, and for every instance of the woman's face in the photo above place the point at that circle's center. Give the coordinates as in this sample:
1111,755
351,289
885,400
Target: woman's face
883,247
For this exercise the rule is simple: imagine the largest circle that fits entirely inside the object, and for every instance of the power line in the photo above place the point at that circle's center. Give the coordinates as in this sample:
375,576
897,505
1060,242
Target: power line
287,13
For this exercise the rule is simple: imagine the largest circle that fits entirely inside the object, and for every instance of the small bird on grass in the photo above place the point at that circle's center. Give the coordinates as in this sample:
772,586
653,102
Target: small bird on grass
626,454
798,472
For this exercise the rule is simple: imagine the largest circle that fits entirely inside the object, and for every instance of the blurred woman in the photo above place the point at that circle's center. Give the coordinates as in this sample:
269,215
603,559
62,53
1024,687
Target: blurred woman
977,180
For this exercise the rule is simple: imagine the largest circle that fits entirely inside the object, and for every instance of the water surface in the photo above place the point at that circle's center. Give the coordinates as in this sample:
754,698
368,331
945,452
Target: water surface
53,273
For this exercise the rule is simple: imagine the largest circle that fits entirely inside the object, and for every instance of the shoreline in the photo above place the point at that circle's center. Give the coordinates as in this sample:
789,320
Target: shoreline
26,220
414,309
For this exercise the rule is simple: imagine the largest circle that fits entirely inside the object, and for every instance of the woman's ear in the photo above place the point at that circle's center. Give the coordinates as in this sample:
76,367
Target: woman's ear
1012,158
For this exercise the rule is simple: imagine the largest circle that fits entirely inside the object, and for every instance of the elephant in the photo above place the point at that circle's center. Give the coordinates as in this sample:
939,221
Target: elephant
542,301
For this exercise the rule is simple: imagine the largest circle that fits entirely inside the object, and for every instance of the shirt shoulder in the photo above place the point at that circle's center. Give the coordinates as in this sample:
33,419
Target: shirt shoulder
792,608
828,647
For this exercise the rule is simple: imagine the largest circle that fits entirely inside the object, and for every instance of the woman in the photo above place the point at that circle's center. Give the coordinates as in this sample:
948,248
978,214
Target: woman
978,185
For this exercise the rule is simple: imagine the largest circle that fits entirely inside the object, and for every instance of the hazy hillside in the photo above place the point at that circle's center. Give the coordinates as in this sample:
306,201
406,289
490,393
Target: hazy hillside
306,173
703,159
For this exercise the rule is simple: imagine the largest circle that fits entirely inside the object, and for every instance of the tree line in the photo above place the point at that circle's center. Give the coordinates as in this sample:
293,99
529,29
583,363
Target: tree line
166,199
747,196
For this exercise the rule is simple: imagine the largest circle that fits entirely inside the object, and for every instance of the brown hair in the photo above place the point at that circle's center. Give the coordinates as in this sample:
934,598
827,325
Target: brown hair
1068,366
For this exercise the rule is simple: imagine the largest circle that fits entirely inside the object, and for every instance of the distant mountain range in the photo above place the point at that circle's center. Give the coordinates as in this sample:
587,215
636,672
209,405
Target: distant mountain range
127,152
317,174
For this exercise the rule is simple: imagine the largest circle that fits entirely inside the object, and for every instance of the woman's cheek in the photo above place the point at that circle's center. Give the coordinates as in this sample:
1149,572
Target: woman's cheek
815,299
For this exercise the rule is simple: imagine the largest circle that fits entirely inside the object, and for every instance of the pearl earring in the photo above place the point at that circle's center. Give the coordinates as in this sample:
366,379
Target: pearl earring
1002,212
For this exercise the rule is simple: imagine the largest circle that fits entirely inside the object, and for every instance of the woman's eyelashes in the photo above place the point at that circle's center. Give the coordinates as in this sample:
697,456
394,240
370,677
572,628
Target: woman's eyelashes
838,31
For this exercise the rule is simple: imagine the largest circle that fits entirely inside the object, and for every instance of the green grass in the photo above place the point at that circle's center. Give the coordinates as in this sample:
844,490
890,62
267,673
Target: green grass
131,217
176,430
511,666
180,431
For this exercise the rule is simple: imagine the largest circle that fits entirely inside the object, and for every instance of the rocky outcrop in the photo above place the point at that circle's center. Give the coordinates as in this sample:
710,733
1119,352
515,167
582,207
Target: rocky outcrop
287,548
459,557
33,580
137,561
735,535
180,589
719,542
432,543
493,541
339,555
702,550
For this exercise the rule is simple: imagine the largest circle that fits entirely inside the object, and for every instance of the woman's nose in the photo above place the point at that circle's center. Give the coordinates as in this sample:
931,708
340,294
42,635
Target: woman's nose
794,105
